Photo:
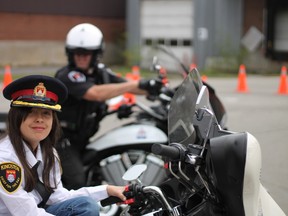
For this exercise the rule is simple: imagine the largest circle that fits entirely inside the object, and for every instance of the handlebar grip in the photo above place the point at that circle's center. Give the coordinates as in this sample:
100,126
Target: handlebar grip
110,200
171,152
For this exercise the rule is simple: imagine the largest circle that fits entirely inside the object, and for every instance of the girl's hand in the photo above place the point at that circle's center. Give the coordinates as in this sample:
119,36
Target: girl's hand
116,191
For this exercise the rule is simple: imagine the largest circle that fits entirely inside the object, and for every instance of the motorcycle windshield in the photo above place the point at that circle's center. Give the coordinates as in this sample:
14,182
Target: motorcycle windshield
182,109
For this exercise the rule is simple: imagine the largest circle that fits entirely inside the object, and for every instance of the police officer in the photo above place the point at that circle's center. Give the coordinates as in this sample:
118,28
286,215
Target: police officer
89,84
30,173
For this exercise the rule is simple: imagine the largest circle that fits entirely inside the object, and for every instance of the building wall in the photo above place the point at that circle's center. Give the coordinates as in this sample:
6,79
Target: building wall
40,29
254,14
230,23
89,8
221,44
20,26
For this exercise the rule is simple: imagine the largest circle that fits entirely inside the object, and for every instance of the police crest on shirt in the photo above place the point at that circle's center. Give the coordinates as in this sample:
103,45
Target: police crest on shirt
76,76
10,176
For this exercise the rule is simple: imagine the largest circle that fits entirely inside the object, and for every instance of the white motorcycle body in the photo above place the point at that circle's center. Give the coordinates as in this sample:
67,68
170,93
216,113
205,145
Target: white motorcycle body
235,157
257,201
134,134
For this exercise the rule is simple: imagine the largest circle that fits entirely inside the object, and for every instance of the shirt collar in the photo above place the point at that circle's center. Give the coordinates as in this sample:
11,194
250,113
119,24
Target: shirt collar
30,157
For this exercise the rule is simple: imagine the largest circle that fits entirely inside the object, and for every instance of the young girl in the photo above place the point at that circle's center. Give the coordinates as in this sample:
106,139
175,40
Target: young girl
30,171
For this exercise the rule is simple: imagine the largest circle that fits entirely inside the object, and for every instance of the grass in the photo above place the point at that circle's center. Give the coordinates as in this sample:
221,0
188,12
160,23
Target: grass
123,70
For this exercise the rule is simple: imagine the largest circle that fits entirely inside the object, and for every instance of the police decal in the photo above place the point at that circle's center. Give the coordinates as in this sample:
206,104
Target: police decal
75,76
10,176
141,134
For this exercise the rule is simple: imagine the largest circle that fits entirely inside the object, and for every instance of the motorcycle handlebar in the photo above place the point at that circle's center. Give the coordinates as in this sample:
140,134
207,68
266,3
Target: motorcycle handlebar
125,110
153,190
172,151
110,200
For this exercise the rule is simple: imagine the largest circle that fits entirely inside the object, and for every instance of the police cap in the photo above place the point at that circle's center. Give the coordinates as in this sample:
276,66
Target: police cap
36,91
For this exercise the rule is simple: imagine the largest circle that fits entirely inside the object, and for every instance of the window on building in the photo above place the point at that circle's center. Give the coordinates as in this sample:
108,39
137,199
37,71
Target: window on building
167,42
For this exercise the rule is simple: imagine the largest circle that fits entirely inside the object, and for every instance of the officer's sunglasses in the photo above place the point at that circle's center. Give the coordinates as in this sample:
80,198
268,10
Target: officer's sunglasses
81,52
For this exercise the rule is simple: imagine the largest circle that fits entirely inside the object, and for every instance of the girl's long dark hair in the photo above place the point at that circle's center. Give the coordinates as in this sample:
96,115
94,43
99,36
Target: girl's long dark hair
15,117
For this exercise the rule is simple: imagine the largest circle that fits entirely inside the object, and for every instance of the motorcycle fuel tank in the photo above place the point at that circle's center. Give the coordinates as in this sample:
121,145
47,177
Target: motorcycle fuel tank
138,134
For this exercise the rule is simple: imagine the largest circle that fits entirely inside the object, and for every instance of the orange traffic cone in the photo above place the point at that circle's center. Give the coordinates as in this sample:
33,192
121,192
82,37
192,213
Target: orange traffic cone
204,78
242,84
192,66
135,73
283,81
7,79
136,70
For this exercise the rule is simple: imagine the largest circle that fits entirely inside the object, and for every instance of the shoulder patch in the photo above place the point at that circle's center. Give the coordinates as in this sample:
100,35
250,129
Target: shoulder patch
10,176
75,76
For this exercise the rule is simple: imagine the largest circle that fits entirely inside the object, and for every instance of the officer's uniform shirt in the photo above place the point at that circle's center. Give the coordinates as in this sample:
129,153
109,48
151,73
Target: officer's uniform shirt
78,82
14,200
80,118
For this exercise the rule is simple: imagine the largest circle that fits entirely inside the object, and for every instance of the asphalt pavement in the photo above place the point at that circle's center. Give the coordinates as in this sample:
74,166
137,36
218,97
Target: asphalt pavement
262,112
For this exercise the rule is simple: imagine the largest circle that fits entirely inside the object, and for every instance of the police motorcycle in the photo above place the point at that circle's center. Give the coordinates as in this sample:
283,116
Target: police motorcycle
213,171
110,155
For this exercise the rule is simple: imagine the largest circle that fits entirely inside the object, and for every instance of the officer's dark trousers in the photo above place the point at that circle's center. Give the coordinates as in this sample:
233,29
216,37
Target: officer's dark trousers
73,176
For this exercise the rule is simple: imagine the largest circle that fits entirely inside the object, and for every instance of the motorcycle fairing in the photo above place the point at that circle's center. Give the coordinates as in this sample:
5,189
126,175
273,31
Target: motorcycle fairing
236,165
267,205
228,158
257,201
251,187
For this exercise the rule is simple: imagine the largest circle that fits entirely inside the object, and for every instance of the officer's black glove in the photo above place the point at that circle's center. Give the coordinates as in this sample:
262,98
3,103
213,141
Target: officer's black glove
152,86
124,111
